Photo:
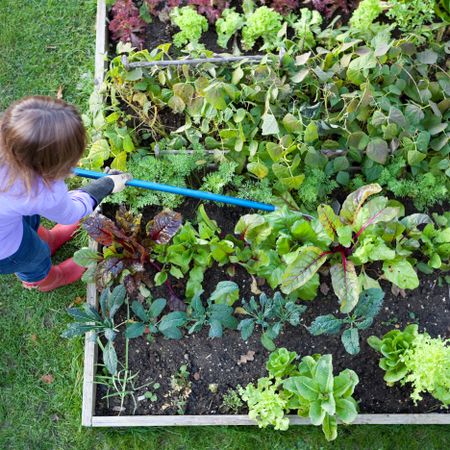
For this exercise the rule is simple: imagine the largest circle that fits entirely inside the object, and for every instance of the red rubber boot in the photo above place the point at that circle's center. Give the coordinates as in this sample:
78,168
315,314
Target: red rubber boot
58,235
61,275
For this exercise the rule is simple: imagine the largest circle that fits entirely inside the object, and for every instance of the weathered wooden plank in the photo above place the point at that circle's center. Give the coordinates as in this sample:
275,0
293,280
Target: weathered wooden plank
157,421
100,43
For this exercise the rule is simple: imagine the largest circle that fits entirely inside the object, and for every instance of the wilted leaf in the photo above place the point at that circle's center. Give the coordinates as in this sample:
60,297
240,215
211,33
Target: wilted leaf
401,273
269,125
48,378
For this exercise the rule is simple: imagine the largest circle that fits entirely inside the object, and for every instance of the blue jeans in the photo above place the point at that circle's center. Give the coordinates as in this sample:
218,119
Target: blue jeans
31,262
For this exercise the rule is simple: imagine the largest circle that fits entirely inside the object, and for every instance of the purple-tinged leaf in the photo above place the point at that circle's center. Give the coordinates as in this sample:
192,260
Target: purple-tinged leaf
102,229
164,226
176,304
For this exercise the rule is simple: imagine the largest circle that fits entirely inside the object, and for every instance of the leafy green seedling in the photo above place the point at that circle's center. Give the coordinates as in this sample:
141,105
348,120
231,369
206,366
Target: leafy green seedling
89,319
369,305
270,314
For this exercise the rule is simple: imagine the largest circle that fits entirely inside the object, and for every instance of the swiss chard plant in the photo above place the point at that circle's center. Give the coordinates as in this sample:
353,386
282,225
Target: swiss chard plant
291,248
128,248
101,322
361,318
271,314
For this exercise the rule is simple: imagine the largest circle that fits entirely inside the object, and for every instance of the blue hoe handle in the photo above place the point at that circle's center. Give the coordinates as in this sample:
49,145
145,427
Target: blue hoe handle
181,191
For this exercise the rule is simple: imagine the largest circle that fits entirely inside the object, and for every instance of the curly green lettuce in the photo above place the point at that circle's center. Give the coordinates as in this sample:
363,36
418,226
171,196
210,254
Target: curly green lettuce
191,24
264,23
227,25
365,14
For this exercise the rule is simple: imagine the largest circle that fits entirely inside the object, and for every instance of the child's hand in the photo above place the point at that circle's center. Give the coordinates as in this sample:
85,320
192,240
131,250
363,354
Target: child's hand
119,179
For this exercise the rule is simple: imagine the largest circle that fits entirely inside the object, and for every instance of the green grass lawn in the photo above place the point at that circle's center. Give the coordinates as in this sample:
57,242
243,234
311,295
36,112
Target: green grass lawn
45,44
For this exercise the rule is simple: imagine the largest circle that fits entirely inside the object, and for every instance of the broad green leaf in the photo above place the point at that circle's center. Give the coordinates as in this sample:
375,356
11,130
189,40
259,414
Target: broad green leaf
344,383
303,268
253,228
116,299
354,202
311,133
401,273
134,330
329,220
345,235
303,386
172,320
269,125
366,282
350,339
267,342
215,96
292,124
258,168
378,150
110,358
324,374
327,324
374,211
226,292
160,278
414,220
246,328
358,69
329,427
346,410
316,413
184,91
85,257
99,152
139,310
215,329
345,285
370,303
157,307
134,75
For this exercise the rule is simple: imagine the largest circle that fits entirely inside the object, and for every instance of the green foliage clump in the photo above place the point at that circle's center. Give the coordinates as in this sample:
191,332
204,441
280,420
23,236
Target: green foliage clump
216,181
173,170
231,401
412,14
308,24
263,23
191,24
316,187
310,388
230,22
265,404
416,358
428,366
364,15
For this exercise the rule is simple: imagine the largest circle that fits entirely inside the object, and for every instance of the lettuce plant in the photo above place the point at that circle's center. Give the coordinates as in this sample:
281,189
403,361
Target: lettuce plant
284,6
126,24
191,24
416,358
428,366
369,305
366,12
393,346
270,313
411,15
310,388
227,25
263,23
316,393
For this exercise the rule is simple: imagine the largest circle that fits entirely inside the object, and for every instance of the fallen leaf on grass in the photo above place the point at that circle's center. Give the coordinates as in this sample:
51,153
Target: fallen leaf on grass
33,338
249,356
78,301
47,379
59,93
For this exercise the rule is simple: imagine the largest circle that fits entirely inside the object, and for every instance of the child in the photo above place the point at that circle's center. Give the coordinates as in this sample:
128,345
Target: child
41,140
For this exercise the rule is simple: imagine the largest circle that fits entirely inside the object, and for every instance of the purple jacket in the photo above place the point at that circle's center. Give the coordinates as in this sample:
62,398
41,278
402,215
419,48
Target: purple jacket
56,203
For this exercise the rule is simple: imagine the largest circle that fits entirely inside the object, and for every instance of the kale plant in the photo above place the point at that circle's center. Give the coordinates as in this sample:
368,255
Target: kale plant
270,313
369,305
87,318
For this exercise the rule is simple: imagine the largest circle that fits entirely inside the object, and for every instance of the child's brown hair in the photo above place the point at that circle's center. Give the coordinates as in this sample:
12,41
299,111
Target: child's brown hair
40,137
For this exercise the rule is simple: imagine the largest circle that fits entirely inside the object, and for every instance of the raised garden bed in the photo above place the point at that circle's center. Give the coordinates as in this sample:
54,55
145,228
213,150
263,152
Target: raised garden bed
216,365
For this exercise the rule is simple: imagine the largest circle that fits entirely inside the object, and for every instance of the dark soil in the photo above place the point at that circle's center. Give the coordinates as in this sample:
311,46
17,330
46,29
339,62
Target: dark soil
216,361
